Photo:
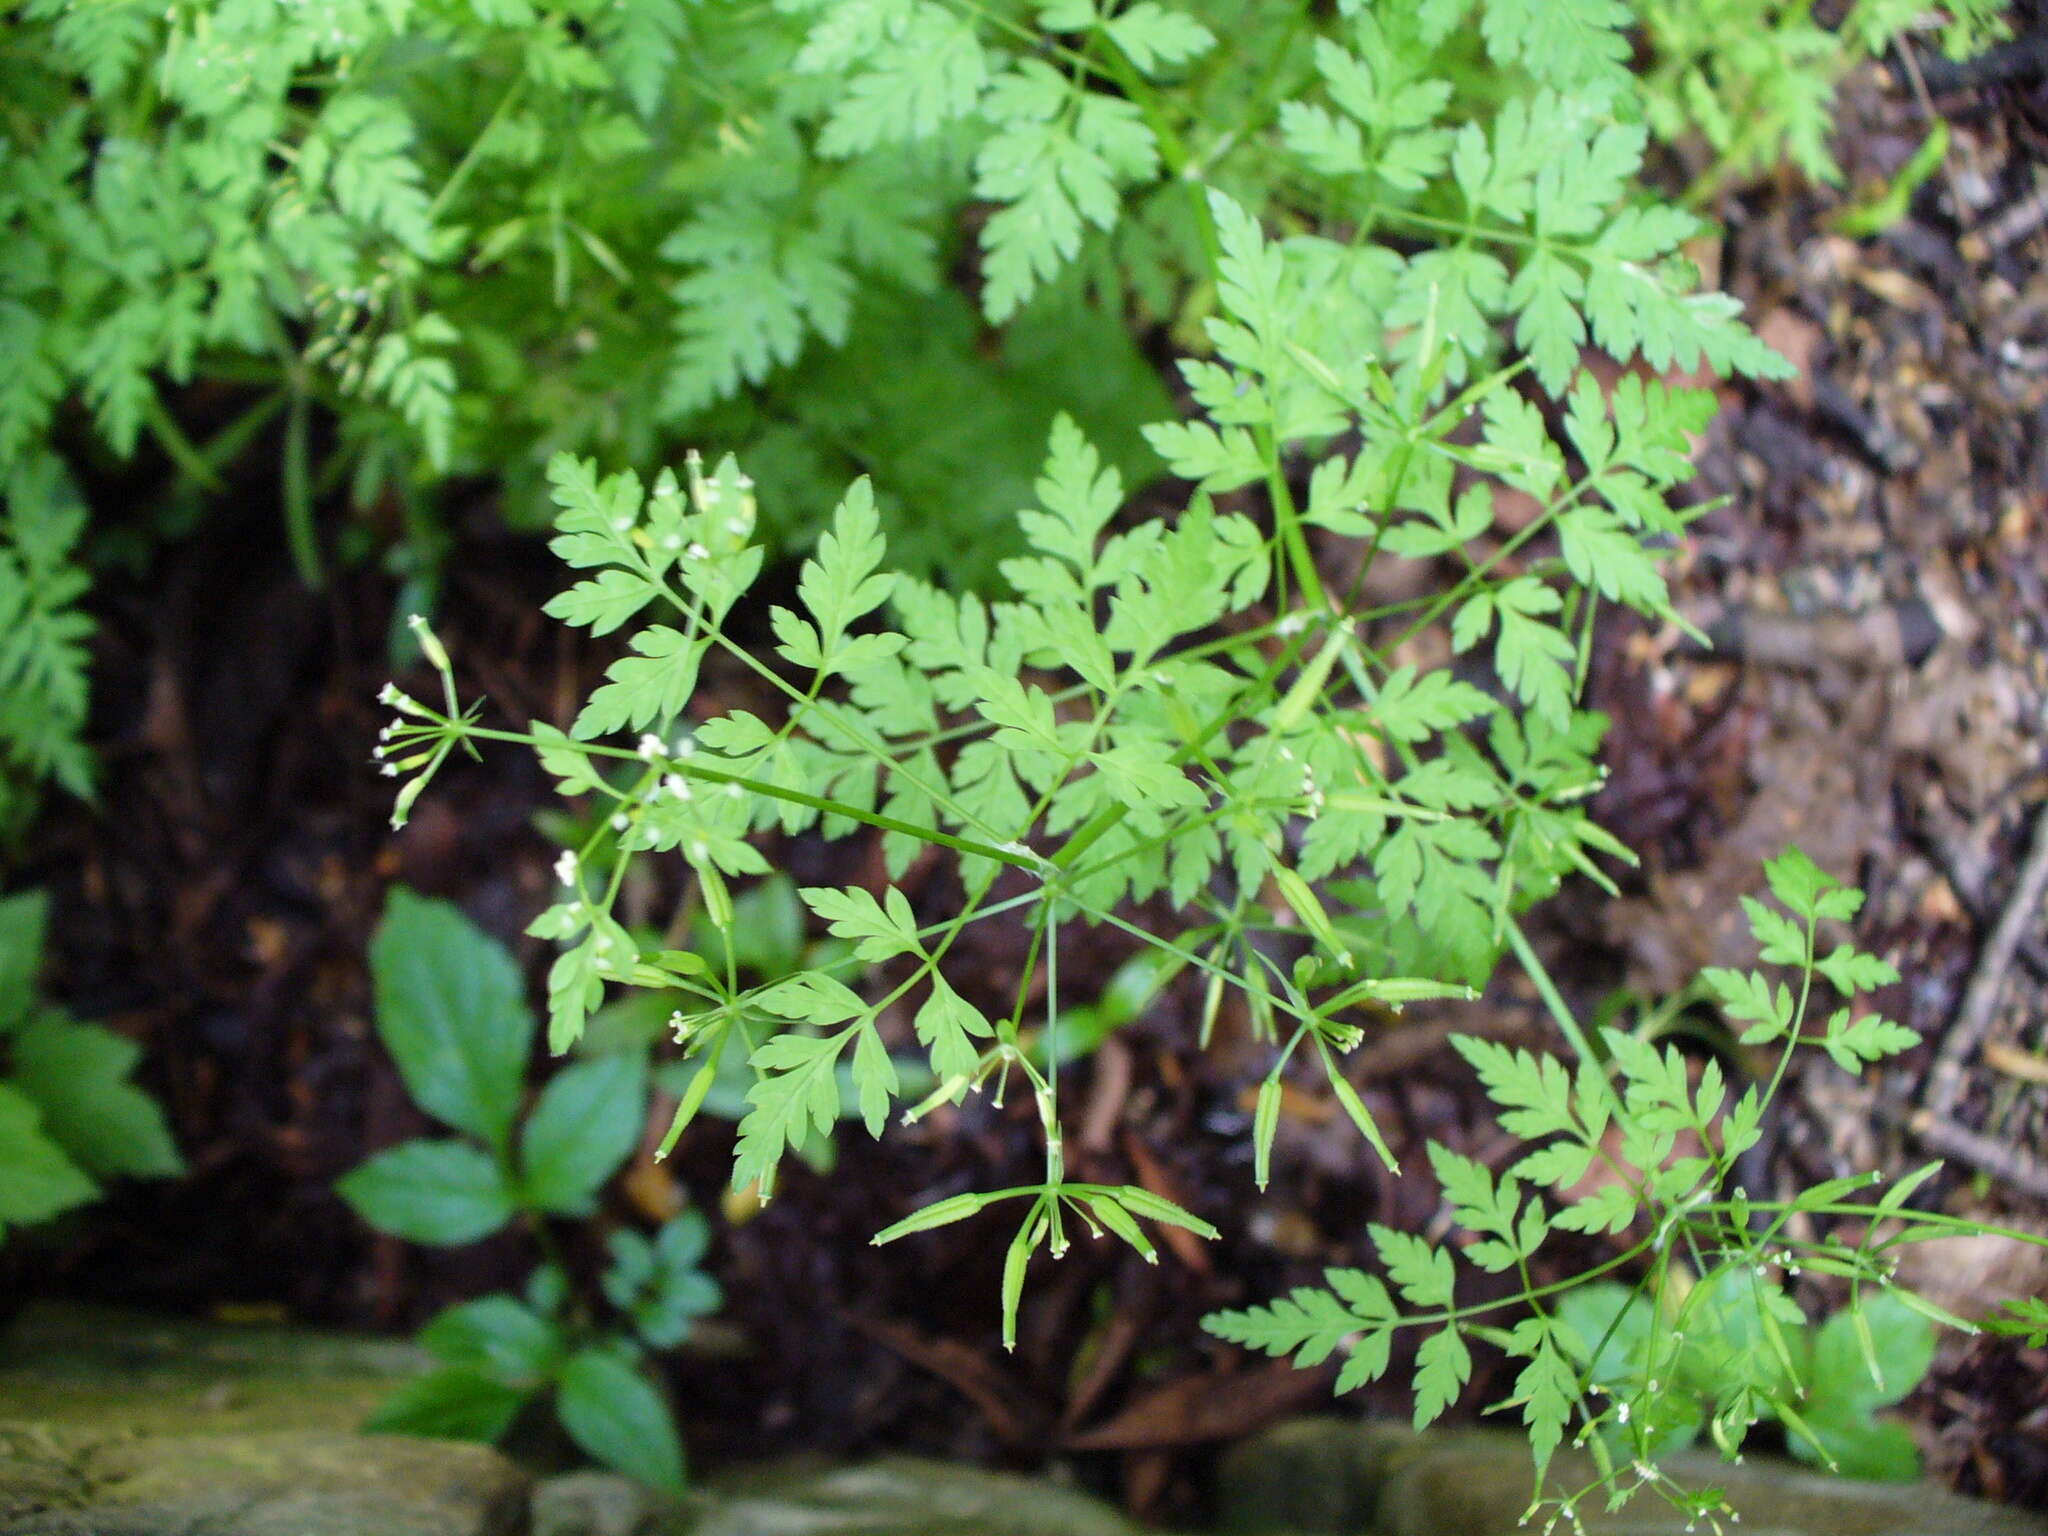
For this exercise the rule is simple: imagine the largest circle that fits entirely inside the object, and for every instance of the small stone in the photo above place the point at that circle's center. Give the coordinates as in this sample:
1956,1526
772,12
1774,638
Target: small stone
285,1483
115,1424
605,1504
1332,1477
902,1496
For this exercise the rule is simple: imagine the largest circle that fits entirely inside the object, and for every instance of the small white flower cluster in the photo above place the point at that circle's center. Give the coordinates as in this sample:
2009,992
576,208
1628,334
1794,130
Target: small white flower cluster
1312,792
419,737
401,735
677,787
709,496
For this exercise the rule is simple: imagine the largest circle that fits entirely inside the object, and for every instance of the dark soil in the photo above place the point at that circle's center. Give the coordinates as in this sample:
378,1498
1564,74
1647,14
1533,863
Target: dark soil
1878,578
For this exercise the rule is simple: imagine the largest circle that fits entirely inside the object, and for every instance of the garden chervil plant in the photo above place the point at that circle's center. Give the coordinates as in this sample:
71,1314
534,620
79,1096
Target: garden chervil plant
43,631
406,244
1342,804
1704,1337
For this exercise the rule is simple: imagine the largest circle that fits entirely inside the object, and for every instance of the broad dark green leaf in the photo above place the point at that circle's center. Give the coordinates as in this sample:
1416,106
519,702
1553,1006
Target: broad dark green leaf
616,1415
445,1192
496,1335
1875,1364
450,1011
77,1075
22,919
452,1403
586,1123
36,1179
1870,1449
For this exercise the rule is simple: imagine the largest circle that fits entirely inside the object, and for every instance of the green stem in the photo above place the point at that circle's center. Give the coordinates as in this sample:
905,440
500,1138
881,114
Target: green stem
1106,820
181,450
1546,989
473,156
1472,578
691,769
298,494
1287,525
1173,149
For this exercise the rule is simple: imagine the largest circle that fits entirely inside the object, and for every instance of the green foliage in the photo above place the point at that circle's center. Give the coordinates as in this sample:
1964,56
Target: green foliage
70,1119
1637,1144
474,236
1709,1352
2025,1317
1756,79
764,943
42,638
1385,241
451,1012
495,229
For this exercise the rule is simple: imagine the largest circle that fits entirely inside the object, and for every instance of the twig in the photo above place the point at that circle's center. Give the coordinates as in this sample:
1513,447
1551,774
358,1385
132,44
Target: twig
2019,1168
2014,1062
2027,214
984,1384
2016,1167
2018,60
1944,836
1944,1081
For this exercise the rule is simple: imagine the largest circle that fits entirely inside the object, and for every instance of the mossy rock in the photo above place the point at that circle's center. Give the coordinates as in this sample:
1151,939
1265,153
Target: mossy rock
899,1496
1331,1477
56,1482
97,1367
117,1425
112,1424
